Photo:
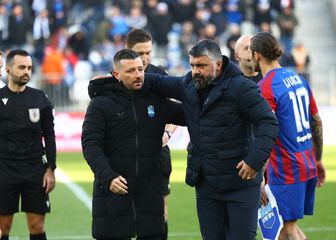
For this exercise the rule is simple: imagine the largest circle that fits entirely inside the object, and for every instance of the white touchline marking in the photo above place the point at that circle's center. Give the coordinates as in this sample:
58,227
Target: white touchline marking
74,187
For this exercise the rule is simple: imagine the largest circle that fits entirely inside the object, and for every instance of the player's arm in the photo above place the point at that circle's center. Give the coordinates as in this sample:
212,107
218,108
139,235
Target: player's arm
317,134
317,131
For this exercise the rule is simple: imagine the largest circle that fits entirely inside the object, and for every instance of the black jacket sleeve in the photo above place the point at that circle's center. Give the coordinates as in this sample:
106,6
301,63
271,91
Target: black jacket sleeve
168,86
93,134
174,113
265,125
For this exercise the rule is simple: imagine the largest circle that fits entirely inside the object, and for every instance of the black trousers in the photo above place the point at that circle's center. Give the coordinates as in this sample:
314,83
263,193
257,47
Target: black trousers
227,215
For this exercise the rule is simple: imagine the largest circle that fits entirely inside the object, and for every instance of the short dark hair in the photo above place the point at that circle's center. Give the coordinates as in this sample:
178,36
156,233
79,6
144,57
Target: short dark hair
137,35
206,47
124,54
10,56
267,45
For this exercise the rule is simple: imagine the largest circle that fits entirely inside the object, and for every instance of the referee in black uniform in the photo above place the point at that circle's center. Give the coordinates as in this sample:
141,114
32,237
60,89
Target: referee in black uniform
140,41
26,135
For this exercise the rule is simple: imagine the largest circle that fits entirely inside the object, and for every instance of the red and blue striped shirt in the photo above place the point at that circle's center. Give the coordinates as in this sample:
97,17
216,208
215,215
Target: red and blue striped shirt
292,159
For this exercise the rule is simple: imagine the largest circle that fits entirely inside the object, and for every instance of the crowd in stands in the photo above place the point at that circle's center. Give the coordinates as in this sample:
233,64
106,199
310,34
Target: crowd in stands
71,40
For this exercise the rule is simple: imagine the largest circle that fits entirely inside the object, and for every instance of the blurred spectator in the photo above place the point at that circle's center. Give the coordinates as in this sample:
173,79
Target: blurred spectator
187,40
149,11
41,34
286,60
18,28
58,14
118,20
79,44
262,18
287,23
201,18
118,43
136,18
53,72
278,5
101,56
209,32
3,26
70,61
183,10
38,6
162,23
234,12
218,18
231,41
301,59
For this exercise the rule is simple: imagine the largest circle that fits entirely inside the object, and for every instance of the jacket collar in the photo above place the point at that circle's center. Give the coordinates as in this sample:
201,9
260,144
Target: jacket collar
110,85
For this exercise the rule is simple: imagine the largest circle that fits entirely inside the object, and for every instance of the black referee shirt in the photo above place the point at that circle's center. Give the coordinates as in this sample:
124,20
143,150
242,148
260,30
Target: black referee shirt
26,126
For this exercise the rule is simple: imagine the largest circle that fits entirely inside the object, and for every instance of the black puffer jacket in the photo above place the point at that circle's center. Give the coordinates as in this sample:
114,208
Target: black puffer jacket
220,120
121,135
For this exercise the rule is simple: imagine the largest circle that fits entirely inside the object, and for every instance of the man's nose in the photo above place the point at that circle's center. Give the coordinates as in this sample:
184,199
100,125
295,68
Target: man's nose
138,73
196,70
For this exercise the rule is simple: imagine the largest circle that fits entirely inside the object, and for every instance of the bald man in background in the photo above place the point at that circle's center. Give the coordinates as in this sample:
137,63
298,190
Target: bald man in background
242,55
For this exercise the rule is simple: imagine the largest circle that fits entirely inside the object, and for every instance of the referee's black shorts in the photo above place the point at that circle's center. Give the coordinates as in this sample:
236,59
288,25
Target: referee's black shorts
166,169
22,179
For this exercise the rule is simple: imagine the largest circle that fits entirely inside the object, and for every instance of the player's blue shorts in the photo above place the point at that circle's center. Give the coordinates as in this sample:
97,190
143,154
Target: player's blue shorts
295,200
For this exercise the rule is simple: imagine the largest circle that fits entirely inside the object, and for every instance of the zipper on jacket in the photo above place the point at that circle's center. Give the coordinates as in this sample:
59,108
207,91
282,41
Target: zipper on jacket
135,218
136,137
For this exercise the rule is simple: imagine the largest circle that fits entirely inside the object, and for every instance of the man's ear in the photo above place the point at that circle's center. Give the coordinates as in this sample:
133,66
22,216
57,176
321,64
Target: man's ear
219,64
115,74
257,56
236,56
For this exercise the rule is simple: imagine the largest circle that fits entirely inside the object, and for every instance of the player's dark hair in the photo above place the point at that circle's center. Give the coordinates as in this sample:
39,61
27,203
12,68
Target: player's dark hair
208,48
267,45
137,36
10,56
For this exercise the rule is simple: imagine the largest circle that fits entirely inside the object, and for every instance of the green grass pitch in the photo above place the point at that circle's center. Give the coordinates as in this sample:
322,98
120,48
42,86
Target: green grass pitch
71,218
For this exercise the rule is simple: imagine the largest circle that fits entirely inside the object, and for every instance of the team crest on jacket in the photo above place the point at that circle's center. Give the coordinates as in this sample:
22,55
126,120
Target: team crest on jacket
34,114
150,111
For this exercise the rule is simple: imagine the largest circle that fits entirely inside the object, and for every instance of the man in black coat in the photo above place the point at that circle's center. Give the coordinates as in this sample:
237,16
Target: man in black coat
224,161
122,141
141,42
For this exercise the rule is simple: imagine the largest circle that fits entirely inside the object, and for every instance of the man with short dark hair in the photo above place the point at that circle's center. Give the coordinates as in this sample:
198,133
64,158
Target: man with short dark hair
122,142
26,135
141,42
